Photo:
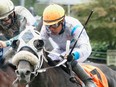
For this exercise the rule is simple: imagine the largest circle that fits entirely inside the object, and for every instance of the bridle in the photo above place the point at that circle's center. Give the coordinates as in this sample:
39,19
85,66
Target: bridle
40,57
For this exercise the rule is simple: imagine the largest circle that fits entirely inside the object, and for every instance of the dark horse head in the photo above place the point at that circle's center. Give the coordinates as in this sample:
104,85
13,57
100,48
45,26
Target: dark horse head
30,62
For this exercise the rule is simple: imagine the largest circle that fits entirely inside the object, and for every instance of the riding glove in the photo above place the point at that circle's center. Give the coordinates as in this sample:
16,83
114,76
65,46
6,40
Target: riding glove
73,56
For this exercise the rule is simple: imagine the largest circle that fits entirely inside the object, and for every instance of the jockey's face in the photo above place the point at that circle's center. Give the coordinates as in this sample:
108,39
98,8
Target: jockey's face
55,28
7,21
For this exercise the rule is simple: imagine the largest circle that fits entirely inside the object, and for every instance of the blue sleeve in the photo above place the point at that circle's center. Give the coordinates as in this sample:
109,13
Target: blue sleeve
76,55
74,29
9,42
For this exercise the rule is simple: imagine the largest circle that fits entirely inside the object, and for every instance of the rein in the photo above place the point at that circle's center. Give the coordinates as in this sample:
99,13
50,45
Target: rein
39,70
57,65
35,73
72,78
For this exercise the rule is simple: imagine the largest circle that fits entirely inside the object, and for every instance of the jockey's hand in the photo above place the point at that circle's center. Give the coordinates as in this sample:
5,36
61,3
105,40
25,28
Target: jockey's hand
2,44
73,56
70,57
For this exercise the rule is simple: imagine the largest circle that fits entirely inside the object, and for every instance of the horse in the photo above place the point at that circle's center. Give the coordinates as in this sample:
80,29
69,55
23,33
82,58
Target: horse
35,69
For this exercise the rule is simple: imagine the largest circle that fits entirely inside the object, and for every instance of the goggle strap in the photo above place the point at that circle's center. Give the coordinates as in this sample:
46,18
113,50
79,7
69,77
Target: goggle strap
48,21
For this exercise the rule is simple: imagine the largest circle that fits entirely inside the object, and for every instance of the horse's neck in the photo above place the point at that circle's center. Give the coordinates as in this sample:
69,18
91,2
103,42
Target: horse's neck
7,75
6,66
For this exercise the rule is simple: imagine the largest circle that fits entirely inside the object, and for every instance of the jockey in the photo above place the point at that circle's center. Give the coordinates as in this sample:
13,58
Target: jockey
60,28
13,20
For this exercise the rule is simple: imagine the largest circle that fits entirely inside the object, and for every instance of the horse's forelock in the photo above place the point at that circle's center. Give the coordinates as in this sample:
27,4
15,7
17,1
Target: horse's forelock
25,55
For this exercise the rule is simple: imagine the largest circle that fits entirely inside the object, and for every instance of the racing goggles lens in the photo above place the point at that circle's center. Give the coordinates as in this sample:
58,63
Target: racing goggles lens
54,25
6,19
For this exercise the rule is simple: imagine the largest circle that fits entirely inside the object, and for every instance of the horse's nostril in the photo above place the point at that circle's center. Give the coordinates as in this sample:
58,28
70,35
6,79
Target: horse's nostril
27,72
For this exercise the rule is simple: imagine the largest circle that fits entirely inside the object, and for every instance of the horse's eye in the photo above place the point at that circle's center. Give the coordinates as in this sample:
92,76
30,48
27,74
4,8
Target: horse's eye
39,44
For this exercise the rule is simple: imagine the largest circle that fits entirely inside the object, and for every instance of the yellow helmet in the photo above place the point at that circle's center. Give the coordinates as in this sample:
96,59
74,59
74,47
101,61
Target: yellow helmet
6,8
53,14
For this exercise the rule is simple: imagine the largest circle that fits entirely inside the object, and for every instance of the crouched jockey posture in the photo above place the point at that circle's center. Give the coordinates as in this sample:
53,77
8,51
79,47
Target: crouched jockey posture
59,28
13,20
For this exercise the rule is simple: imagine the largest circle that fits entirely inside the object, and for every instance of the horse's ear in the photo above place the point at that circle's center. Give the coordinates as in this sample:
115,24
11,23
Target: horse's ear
38,44
15,44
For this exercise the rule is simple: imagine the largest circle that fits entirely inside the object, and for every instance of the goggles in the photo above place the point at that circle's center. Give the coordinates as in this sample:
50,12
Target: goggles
2,21
54,25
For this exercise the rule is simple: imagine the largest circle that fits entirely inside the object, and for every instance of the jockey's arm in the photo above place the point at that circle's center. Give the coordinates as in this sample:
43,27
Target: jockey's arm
82,49
9,42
